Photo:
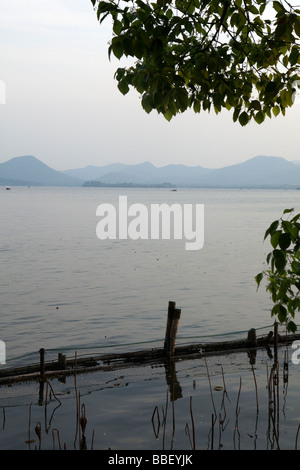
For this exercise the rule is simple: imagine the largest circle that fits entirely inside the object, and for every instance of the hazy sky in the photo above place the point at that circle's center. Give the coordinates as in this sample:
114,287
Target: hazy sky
62,103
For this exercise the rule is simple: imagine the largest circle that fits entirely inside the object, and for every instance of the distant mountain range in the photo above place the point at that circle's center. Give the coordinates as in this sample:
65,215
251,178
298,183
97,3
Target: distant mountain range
29,171
258,172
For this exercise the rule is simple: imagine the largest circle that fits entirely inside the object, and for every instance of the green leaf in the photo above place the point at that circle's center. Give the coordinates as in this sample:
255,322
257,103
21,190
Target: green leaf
295,265
276,110
182,99
275,238
168,115
262,8
117,27
255,104
291,327
123,86
275,310
278,7
294,55
279,259
286,97
282,314
297,27
259,117
253,9
258,278
197,106
272,228
236,114
271,88
287,211
284,240
146,103
296,303
290,228
295,218
117,47
243,118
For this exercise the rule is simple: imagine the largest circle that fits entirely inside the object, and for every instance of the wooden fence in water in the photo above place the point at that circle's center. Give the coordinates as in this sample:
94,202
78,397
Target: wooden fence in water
42,370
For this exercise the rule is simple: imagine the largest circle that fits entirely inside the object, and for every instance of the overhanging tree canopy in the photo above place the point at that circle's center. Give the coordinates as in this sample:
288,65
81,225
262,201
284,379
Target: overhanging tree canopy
242,55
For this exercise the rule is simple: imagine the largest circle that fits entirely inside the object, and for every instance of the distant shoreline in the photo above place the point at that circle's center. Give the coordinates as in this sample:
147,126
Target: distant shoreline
99,184
92,184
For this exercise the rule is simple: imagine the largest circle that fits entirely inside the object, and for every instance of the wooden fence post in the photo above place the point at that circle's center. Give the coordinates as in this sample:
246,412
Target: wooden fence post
42,363
173,332
62,361
252,340
171,309
171,329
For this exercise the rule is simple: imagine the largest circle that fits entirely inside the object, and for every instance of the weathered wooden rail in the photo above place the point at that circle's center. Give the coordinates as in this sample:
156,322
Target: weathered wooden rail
42,370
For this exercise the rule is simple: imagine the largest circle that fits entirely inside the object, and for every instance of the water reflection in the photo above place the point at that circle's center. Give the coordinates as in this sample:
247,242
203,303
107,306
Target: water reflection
172,380
232,401
233,414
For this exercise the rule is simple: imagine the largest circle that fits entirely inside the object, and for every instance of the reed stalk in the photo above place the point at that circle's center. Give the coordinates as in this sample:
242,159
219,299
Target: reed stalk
296,443
165,413
211,394
212,431
237,409
256,391
56,431
156,429
3,414
193,425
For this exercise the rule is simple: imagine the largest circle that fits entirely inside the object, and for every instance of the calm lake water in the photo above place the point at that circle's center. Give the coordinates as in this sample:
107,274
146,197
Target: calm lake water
63,289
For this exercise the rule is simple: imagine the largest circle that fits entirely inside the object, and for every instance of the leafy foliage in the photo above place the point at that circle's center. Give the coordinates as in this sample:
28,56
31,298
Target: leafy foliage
283,274
241,55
